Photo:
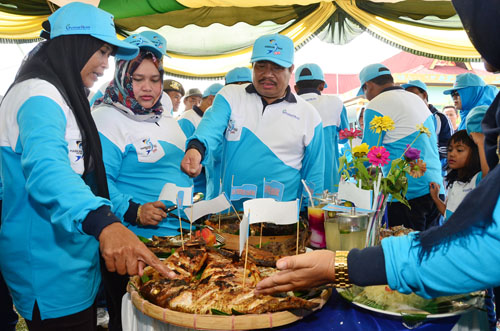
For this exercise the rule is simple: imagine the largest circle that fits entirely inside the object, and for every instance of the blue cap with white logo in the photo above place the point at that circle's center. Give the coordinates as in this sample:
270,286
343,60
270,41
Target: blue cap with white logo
212,90
141,40
371,71
157,39
276,48
415,83
465,80
81,18
309,71
239,74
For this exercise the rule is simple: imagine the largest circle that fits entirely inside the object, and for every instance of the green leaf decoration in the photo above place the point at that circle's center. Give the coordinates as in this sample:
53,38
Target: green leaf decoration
218,312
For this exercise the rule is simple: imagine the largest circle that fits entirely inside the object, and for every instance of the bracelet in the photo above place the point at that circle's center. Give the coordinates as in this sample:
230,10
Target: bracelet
138,218
341,271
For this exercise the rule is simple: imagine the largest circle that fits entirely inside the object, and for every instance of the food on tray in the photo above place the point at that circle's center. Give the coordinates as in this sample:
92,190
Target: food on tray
211,280
277,239
396,231
383,298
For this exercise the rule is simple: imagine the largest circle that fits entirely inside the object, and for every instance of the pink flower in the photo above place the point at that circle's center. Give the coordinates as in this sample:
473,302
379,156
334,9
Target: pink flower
378,156
350,134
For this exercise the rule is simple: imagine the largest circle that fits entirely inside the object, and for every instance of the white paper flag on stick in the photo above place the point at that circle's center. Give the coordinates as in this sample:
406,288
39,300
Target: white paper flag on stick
170,191
349,192
243,232
272,211
206,207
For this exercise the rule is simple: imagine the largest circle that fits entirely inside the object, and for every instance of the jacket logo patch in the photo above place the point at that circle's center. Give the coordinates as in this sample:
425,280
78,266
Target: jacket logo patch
231,128
291,115
148,146
77,150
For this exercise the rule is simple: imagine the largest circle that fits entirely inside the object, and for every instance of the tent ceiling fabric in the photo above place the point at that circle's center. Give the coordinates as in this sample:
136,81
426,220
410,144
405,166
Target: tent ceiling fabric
208,37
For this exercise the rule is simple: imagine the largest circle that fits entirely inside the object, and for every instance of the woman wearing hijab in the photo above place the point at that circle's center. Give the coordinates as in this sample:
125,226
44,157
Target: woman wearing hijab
468,92
56,209
459,257
142,148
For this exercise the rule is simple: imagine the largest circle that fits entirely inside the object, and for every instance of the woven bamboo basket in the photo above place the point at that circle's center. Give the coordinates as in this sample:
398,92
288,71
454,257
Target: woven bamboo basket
219,322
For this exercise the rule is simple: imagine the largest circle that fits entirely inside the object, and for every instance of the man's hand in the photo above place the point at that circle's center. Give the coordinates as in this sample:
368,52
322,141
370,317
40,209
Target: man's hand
300,272
152,213
191,163
124,253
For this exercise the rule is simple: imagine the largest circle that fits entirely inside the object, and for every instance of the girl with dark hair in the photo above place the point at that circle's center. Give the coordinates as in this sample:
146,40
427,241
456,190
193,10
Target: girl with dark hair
56,209
464,173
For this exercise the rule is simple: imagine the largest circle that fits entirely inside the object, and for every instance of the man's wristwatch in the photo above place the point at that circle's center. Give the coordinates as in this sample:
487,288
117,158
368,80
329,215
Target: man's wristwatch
138,218
341,271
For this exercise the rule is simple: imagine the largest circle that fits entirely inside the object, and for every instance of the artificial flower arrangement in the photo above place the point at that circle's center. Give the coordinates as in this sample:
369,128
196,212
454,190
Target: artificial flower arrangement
365,166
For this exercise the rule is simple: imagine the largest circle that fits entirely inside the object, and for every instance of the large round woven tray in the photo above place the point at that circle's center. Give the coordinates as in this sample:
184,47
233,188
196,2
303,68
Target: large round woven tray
219,322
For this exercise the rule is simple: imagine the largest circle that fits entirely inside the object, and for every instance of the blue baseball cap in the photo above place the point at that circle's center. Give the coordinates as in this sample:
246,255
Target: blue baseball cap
276,48
239,74
81,18
474,119
415,83
371,71
157,39
212,90
158,48
465,80
309,71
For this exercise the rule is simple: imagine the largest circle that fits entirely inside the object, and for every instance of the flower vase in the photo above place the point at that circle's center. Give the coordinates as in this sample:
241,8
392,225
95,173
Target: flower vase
376,222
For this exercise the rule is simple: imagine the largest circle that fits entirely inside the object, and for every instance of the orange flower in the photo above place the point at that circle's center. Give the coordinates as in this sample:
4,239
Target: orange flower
417,168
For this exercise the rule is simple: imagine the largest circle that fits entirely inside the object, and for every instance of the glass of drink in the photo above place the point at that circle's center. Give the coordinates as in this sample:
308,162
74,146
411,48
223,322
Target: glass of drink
316,217
352,229
332,233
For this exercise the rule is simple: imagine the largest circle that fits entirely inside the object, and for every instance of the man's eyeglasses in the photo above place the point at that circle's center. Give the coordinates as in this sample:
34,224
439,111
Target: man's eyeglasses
455,94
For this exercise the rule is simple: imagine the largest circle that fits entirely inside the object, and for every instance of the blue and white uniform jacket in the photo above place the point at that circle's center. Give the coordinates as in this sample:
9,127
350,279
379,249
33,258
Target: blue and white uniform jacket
457,192
334,117
467,264
189,121
44,254
282,141
140,158
407,110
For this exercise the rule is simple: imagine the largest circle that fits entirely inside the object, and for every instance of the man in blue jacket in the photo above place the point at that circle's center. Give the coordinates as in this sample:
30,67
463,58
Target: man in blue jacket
444,129
268,132
407,111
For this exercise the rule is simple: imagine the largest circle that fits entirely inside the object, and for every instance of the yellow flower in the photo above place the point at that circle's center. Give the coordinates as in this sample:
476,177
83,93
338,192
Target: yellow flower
379,124
360,150
422,129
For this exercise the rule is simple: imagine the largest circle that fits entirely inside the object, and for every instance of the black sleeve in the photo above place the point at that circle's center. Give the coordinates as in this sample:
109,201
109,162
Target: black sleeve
131,213
196,144
97,220
367,266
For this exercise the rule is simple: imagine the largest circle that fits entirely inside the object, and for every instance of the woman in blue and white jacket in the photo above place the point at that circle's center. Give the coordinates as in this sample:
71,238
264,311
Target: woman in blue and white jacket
56,209
142,148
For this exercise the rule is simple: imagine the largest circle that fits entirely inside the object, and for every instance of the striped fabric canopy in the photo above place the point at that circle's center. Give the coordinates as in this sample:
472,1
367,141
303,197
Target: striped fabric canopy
218,34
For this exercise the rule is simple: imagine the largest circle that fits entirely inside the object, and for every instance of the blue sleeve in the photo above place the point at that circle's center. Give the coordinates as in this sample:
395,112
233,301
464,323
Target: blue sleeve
465,264
50,180
186,126
96,96
313,163
371,137
210,132
344,123
113,157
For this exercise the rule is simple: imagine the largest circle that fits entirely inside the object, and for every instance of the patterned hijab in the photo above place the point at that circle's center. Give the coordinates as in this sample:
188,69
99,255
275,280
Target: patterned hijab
120,92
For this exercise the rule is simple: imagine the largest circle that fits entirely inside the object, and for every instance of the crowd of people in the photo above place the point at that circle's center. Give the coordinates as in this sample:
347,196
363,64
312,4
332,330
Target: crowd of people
82,176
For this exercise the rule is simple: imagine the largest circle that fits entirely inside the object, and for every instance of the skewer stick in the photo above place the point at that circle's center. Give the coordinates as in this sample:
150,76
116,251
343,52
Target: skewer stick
180,224
232,182
297,248
237,215
219,221
245,267
260,237
246,255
